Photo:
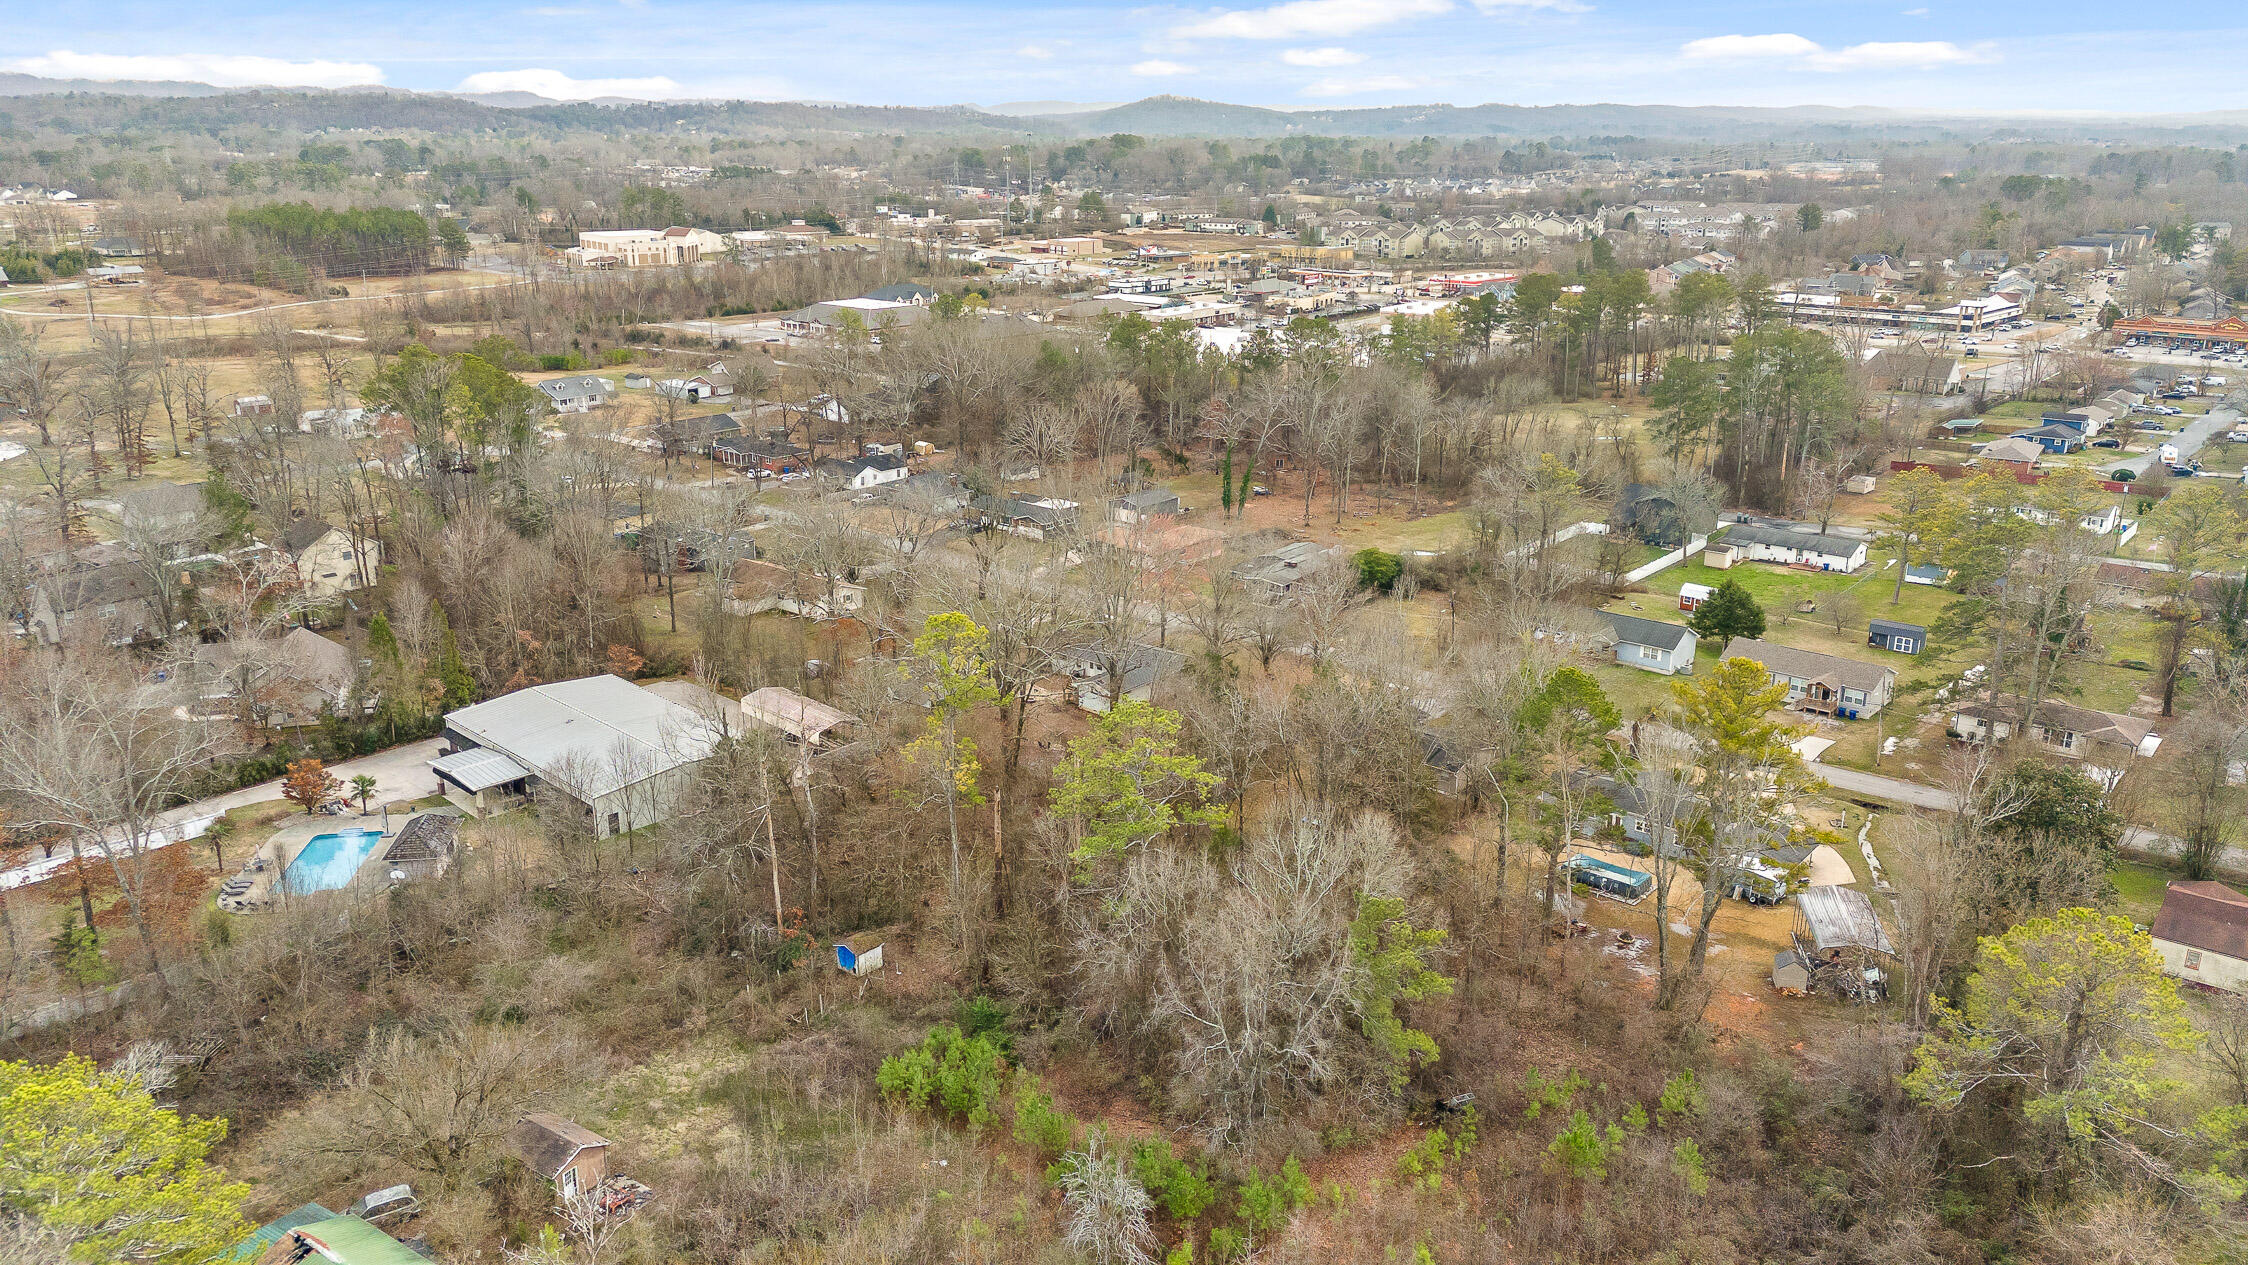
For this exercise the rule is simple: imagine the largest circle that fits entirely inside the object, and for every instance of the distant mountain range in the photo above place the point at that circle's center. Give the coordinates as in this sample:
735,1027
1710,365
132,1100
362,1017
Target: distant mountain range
1170,116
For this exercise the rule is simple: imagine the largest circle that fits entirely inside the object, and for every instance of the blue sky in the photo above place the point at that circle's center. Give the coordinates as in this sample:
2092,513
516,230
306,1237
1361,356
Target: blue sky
1994,55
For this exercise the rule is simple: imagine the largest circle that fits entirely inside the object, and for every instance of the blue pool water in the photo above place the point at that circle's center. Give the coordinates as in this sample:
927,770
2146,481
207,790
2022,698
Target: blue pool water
328,861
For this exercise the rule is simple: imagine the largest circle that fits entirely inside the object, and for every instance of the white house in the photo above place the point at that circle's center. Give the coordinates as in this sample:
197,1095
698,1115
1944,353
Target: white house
1797,542
1825,684
2202,935
581,393
857,474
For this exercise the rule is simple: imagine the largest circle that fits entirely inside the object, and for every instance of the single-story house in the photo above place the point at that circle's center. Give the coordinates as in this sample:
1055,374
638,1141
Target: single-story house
1135,507
1142,667
580,393
1892,634
1036,517
773,456
2105,741
2053,437
1915,371
1797,543
807,722
623,754
1926,573
2202,935
574,1158
1652,645
1276,572
765,586
857,474
1826,684
2023,454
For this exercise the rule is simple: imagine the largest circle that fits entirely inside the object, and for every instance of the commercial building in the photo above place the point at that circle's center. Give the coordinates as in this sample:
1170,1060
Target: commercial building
621,753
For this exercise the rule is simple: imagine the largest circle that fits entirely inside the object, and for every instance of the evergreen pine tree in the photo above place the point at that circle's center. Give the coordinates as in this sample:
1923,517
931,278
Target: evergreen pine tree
1225,483
1728,612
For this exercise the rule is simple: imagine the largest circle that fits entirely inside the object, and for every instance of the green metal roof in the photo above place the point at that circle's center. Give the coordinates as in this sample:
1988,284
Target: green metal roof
270,1233
350,1241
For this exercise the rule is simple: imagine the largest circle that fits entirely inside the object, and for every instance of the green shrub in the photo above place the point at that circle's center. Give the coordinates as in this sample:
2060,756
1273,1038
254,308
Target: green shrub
1425,1163
1686,1161
1683,1100
1266,1203
1377,568
1547,1094
1227,1244
1580,1149
1183,1189
982,1016
1038,1125
954,1075
565,360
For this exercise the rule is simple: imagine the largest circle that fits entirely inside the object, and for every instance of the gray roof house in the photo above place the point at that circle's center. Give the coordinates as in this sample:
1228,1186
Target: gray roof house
1652,645
1280,570
622,753
1825,684
1143,665
116,603
577,394
167,507
1800,542
1133,507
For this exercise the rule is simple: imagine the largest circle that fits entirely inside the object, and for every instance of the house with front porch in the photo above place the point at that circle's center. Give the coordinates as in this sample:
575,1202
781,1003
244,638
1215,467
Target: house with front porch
1822,684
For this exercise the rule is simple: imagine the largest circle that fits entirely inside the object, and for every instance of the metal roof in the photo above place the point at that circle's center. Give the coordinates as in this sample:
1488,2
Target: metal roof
478,768
592,736
1841,918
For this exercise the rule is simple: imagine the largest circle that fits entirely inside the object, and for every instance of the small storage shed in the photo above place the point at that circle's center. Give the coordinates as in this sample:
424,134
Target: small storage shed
1790,972
1608,878
564,1152
1890,634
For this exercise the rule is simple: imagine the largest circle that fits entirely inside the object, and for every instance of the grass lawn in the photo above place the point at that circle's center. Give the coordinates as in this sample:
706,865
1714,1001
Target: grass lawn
2138,890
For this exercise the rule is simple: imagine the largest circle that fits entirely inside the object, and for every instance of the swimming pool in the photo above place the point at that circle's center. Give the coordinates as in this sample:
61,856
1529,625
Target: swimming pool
328,861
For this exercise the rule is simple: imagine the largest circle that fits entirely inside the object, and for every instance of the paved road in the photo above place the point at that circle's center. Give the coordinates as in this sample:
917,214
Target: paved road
2199,431
1895,790
399,773
79,314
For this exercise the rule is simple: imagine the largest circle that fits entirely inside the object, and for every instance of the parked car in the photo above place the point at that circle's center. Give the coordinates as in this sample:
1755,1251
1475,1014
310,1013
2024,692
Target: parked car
2107,443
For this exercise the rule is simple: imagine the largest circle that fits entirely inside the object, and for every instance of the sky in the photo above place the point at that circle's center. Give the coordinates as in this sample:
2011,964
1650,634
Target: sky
1985,57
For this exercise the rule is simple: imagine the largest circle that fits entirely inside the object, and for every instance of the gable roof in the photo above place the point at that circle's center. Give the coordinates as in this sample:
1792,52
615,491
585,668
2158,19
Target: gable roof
2052,713
1895,627
1810,665
581,384
1789,538
350,1241
165,500
1841,917
2206,915
425,837
2012,449
303,532
1647,632
547,1142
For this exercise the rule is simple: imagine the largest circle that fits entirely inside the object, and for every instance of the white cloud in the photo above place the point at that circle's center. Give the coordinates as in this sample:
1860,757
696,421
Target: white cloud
1322,57
557,86
225,71
1156,68
1902,55
1035,52
1745,47
1364,86
1917,13
1893,55
1308,17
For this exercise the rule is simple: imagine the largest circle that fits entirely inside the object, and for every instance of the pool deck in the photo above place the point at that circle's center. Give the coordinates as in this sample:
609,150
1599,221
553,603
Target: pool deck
281,849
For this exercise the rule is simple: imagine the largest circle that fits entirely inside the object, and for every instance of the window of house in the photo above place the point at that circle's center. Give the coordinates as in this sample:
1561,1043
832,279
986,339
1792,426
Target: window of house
569,1183
2193,959
615,823
1906,645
